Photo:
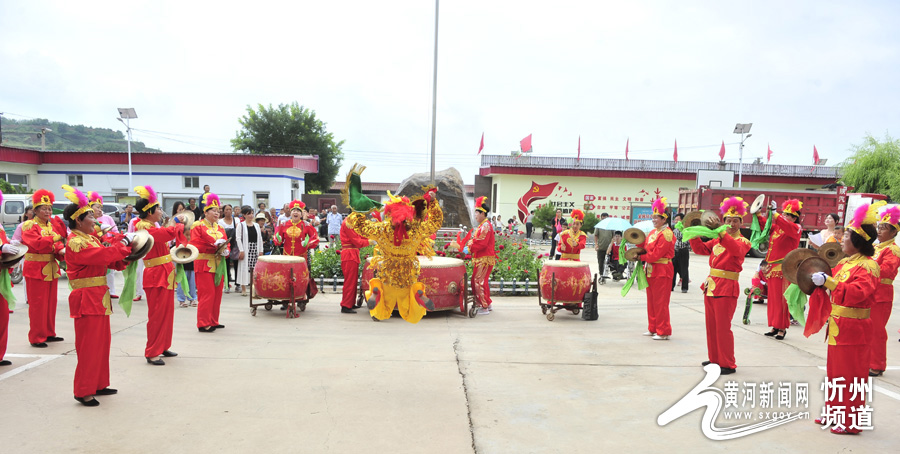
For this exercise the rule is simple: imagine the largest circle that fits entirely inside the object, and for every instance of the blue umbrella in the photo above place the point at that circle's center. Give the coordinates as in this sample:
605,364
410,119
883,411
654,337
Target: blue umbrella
645,226
614,224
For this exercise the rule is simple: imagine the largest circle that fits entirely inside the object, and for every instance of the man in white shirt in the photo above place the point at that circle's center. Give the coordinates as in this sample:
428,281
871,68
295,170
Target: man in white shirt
334,220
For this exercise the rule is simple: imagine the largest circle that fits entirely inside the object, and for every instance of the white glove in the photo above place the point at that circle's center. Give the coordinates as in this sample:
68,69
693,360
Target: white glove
105,227
225,252
819,278
128,238
773,205
218,242
9,249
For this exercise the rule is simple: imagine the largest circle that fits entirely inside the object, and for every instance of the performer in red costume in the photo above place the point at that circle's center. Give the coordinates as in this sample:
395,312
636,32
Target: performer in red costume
207,235
481,246
572,240
5,289
847,316
660,247
45,238
351,242
721,289
887,255
89,303
784,237
159,275
298,237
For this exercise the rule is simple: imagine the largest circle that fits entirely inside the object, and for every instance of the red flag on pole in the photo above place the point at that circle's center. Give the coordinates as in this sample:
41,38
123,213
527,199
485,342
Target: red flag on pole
722,151
815,156
768,154
579,147
482,144
525,144
675,155
626,147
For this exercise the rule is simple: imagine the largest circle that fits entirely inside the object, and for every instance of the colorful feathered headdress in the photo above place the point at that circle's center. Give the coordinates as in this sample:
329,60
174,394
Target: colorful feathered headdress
733,207
792,206
93,197
42,197
659,207
210,201
399,209
577,215
78,198
891,216
865,214
481,204
296,205
147,193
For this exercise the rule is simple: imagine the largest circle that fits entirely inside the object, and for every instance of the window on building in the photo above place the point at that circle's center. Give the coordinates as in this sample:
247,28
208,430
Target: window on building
119,194
75,180
192,182
15,179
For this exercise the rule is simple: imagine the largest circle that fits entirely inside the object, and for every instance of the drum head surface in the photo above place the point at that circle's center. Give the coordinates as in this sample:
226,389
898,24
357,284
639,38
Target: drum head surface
439,262
564,264
281,259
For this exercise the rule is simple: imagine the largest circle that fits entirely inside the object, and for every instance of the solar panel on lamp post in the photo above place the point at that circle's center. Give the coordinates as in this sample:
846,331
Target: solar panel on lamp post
742,128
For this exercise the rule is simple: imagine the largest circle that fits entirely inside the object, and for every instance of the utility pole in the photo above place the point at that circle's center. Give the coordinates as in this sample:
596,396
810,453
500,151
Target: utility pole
437,8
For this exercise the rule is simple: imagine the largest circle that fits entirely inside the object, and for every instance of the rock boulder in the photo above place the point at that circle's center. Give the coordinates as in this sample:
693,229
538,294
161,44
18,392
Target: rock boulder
451,194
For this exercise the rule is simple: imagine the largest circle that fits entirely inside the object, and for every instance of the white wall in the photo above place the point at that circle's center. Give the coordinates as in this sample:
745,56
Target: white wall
229,183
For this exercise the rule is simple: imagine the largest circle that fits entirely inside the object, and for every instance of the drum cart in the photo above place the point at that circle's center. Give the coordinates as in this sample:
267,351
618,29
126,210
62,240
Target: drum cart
452,295
551,307
292,304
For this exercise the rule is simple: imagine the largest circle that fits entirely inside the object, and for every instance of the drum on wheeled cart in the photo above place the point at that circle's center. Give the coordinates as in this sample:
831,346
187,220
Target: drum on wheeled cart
280,279
563,284
444,279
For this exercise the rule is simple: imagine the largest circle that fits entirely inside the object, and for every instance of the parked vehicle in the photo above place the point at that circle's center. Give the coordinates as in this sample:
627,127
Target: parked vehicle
12,210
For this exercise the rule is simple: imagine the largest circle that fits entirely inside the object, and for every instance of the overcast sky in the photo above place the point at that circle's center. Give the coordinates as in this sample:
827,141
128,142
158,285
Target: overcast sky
804,73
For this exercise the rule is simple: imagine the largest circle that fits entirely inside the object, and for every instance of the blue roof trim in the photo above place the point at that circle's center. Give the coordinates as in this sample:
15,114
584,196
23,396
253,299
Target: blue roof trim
79,172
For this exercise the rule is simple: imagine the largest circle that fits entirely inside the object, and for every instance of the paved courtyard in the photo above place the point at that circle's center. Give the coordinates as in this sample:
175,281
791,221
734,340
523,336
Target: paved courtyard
510,382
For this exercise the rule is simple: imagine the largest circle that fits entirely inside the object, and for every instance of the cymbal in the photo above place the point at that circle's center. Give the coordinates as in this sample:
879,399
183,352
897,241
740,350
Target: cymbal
758,204
792,261
710,219
11,260
634,235
692,219
832,253
187,217
633,254
140,245
184,254
805,271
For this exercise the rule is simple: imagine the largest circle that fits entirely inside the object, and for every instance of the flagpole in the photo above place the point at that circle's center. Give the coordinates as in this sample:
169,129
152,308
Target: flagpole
437,5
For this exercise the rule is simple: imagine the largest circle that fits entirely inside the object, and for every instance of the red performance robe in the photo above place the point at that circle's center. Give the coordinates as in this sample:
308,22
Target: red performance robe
209,295
351,242
4,308
159,285
292,237
570,244
887,255
848,329
784,237
89,304
41,271
720,293
481,247
660,247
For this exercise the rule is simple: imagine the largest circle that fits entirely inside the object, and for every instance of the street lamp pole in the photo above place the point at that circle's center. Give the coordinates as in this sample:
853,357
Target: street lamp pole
742,128
128,113
437,8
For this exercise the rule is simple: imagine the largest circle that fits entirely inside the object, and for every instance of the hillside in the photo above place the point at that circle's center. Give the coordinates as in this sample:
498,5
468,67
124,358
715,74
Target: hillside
26,134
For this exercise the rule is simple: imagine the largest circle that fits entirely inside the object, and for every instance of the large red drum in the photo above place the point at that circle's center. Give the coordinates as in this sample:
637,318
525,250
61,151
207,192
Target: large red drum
444,279
573,280
272,276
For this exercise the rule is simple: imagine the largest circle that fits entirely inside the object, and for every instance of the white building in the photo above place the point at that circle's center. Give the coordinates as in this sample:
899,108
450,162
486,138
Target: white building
238,179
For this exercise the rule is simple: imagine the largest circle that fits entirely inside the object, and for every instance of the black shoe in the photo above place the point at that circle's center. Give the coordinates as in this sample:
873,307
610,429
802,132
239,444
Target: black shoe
5,363
219,326
88,403
347,310
156,362
728,371
781,336
39,344
207,329
169,354
54,339
706,363
684,290
772,333
106,392
872,372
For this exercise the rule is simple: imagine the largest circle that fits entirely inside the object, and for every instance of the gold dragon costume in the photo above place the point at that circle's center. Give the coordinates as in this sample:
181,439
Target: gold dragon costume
405,228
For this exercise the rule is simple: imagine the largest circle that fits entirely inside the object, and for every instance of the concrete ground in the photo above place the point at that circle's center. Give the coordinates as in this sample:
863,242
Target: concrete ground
510,382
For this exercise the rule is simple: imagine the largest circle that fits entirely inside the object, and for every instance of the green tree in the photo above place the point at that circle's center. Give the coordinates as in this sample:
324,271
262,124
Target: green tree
874,167
542,217
291,129
590,221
